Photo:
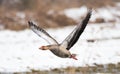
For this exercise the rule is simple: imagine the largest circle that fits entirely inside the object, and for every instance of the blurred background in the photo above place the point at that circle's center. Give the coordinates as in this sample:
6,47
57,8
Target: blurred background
14,14
98,49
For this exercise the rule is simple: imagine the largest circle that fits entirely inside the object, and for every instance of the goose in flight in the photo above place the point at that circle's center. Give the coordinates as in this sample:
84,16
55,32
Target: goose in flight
61,49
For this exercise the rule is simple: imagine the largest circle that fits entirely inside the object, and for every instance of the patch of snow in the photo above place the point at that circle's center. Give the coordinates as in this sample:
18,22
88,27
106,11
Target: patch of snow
21,15
103,13
118,4
107,13
19,50
75,13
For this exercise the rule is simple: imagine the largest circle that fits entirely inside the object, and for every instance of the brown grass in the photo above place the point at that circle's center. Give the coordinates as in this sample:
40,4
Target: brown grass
98,68
37,10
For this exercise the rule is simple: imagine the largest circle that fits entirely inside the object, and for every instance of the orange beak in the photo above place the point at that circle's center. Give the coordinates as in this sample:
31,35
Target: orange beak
42,48
39,47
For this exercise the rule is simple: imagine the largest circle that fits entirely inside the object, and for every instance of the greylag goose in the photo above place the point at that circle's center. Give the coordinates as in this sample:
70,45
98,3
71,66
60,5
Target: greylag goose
61,49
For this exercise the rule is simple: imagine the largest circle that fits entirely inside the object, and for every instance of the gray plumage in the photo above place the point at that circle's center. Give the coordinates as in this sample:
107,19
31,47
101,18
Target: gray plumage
62,49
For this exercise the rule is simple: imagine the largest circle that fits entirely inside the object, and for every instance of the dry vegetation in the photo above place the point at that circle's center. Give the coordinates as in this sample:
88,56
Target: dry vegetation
37,10
98,68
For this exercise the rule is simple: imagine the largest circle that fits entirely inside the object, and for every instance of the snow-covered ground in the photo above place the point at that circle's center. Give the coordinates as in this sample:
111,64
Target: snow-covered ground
107,13
19,50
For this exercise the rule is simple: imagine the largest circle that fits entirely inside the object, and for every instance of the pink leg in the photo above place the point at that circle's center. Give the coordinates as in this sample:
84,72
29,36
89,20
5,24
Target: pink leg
73,56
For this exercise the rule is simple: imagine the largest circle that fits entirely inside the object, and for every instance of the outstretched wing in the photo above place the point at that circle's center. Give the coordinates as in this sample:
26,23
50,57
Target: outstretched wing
42,33
72,38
